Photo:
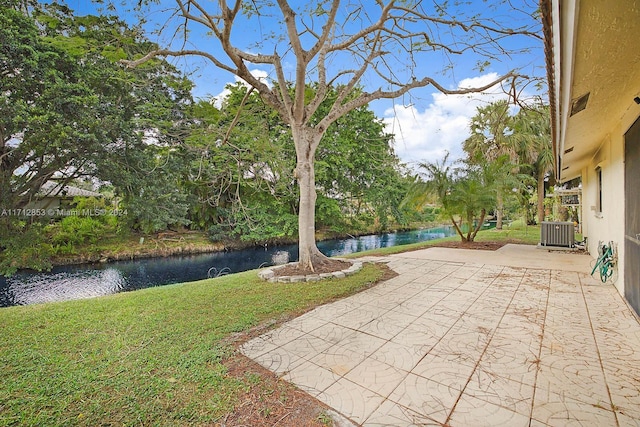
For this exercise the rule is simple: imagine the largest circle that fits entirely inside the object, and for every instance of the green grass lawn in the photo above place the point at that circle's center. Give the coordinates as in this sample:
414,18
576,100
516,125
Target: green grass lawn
517,232
151,357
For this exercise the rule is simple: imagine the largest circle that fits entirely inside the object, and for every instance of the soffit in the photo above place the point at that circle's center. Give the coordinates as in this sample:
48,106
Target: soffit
606,64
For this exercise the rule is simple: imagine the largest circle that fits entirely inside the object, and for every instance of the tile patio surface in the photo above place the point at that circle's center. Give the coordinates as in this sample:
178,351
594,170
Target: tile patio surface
515,337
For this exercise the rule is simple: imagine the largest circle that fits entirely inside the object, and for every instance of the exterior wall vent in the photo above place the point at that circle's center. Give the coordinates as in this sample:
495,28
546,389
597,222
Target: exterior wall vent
557,234
578,104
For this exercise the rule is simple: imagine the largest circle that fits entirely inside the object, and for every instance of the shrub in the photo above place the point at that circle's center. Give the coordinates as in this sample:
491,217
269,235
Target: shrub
23,246
76,230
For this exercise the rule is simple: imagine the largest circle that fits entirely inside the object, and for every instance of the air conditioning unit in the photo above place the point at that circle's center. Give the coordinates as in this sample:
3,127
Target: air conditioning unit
557,234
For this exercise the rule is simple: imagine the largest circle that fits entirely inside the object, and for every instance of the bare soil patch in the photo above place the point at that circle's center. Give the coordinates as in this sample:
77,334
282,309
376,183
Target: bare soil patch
328,266
485,246
271,401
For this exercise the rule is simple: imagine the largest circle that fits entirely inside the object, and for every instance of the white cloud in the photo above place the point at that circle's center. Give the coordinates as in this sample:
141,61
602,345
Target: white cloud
219,98
426,134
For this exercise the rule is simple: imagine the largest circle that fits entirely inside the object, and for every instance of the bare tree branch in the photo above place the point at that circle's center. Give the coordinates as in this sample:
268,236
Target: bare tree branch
234,122
366,98
187,52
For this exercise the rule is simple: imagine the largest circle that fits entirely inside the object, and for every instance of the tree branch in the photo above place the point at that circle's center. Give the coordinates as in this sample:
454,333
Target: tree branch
366,98
165,52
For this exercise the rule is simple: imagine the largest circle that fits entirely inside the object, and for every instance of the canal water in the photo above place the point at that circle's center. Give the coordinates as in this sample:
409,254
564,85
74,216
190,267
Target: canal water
92,280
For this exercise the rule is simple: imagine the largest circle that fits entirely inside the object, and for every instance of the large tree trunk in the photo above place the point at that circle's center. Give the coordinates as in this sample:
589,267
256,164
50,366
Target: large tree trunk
540,196
308,253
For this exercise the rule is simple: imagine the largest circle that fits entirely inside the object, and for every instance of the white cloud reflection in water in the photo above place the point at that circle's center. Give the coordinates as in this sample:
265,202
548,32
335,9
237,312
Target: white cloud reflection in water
45,287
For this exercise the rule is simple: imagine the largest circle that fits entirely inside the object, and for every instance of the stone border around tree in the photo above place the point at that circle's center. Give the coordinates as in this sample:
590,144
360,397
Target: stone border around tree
269,274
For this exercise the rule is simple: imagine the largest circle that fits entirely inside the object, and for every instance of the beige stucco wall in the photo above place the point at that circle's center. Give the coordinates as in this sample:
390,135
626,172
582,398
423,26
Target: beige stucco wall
609,225
44,203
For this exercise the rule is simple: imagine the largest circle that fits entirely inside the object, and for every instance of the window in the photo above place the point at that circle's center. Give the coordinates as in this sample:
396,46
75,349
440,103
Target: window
599,195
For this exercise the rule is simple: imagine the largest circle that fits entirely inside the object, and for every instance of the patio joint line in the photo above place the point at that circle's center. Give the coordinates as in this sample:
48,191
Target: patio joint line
539,357
459,264
513,294
389,340
422,358
595,340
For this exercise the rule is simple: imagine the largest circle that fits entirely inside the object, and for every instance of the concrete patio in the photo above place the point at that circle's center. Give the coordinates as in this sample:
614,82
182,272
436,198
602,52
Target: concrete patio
516,337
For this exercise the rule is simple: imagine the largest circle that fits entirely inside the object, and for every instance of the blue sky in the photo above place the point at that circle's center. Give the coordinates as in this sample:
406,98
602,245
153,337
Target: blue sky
426,123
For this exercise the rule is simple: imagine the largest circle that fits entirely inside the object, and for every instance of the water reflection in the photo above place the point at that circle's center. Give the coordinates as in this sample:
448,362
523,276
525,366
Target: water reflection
280,257
366,243
87,281
45,287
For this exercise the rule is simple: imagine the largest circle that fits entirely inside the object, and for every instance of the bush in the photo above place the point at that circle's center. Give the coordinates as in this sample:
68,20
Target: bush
219,232
89,203
23,246
268,227
77,230
259,225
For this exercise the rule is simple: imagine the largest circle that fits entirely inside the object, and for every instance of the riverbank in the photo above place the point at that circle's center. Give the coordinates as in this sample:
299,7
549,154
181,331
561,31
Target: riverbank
137,246
170,243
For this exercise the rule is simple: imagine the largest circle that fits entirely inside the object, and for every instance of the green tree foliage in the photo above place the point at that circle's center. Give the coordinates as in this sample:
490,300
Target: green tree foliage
242,175
521,139
491,138
470,199
506,154
356,165
491,130
465,193
532,137
382,44
511,183
239,178
23,245
68,110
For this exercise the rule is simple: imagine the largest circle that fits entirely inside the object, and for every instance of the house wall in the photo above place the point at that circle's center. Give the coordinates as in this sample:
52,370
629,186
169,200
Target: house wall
44,203
609,224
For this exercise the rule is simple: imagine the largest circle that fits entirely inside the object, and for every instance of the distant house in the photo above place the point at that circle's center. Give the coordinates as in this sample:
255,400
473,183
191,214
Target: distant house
53,195
593,62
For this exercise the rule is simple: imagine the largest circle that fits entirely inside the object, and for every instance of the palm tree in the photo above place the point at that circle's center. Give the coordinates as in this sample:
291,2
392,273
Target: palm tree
440,179
505,180
464,193
532,137
491,132
491,129
470,196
